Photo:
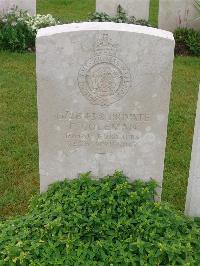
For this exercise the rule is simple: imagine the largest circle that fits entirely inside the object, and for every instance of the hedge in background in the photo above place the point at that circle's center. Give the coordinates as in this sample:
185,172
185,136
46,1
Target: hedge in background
100,222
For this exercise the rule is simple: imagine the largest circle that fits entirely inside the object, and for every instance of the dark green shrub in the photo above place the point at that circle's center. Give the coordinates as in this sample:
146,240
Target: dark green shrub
15,35
18,30
189,39
104,222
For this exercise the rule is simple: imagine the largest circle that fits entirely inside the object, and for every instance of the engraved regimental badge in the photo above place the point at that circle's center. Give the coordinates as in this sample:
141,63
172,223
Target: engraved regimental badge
104,79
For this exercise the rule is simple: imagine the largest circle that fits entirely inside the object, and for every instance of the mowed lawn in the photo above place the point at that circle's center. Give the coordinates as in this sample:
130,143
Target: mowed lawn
19,177
68,10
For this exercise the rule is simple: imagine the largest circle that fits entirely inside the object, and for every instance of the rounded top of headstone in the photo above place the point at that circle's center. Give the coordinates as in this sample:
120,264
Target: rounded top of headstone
109,26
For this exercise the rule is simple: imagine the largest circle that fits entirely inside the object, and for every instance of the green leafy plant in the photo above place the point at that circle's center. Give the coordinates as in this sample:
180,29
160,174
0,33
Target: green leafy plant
100,222
121,17
18,29
189,40
15,34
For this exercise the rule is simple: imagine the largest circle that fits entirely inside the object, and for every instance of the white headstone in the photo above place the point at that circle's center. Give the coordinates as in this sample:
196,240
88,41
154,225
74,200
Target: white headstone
26,5
192,207
103,100
137,8
178,13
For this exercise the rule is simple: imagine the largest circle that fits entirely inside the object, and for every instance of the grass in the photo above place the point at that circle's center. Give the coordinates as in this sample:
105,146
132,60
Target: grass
66,9
19,178
18,132
153,13
186,76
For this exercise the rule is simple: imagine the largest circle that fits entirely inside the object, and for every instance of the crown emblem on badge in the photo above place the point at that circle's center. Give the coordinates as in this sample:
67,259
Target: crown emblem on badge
104,79
105,46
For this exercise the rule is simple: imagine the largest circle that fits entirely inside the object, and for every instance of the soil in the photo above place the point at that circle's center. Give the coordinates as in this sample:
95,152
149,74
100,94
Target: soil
181,49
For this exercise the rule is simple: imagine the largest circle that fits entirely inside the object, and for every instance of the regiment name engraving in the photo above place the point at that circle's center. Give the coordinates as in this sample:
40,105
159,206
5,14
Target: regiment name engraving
103,130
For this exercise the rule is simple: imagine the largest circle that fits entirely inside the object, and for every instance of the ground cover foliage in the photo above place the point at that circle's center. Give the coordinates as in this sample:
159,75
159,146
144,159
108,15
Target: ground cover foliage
100,222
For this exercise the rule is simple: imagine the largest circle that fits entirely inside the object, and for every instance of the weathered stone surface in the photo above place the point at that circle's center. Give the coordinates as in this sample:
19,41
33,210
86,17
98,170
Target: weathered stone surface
26,5
192,207
136,8
103,100
178,13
